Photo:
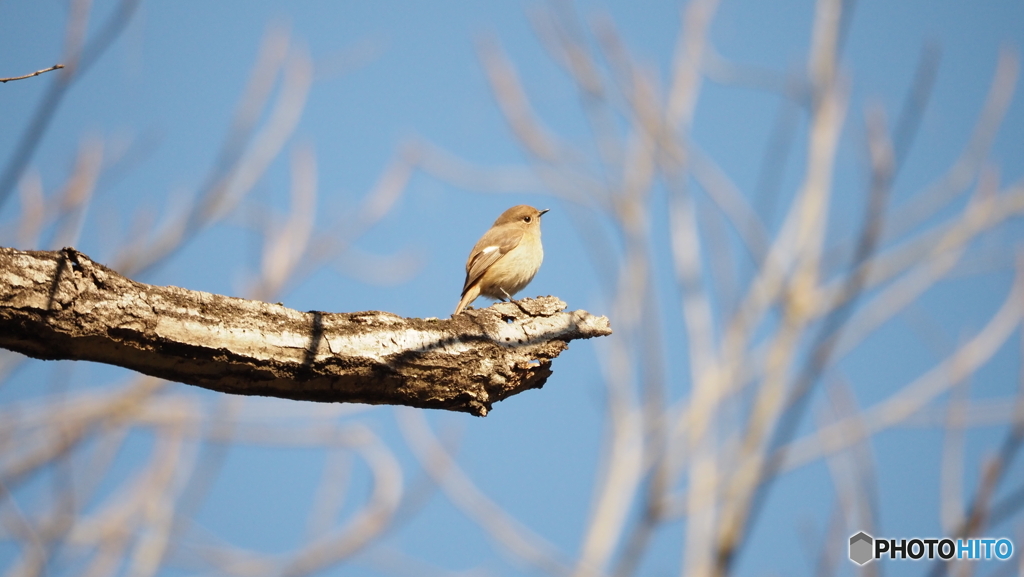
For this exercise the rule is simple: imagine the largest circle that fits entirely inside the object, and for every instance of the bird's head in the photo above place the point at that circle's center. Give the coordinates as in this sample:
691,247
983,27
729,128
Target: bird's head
522,215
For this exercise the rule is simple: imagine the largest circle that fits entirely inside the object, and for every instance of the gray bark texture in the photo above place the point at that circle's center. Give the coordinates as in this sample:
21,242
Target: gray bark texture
62,305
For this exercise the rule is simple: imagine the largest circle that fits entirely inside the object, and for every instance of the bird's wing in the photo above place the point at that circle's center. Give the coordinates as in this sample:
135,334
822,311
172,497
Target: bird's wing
495,244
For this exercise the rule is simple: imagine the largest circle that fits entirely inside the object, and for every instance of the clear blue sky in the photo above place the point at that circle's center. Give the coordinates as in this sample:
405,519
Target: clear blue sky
174,77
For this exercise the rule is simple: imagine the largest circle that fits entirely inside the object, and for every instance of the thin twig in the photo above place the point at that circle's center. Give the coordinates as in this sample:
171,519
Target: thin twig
36,73
84,57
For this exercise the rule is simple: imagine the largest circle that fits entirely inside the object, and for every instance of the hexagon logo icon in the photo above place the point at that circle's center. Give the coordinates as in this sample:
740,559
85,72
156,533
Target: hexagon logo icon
860,548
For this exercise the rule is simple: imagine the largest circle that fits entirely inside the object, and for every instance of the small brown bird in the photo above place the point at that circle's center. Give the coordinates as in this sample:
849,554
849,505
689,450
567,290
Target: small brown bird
505,258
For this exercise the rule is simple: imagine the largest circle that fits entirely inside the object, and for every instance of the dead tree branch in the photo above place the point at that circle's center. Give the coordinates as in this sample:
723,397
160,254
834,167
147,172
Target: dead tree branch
62,305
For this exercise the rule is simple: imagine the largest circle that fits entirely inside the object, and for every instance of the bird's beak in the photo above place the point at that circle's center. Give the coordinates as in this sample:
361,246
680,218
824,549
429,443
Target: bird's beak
543,211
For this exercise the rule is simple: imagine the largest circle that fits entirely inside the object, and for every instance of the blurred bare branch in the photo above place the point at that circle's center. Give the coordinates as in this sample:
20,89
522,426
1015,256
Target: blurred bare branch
524,545
919,392
80,56
244,157
147,524
361,528
711,449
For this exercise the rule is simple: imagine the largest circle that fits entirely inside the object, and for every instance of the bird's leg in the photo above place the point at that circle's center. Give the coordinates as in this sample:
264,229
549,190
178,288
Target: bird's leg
508,296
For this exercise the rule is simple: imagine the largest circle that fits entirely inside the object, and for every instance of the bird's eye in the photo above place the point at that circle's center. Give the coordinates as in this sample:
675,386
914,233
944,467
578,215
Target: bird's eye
527,219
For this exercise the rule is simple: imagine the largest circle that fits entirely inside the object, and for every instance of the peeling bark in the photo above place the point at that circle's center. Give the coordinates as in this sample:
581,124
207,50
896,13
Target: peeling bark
62,305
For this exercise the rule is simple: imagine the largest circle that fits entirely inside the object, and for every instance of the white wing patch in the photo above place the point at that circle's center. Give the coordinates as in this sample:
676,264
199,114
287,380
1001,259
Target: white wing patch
489,249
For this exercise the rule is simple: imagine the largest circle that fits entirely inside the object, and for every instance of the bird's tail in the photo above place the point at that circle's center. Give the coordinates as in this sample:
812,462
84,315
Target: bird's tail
467,297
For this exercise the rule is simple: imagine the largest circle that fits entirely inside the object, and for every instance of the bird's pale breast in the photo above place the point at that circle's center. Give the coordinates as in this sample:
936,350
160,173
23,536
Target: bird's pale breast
512,272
